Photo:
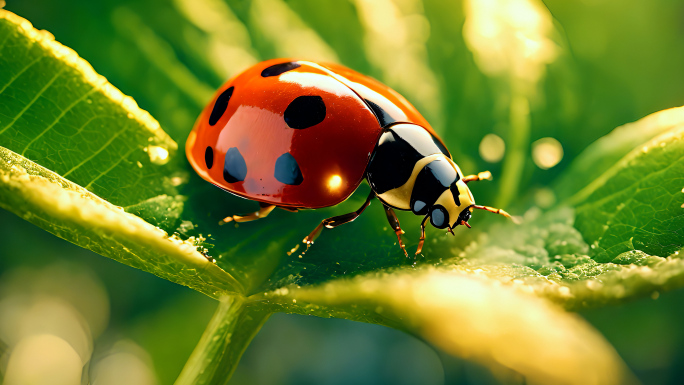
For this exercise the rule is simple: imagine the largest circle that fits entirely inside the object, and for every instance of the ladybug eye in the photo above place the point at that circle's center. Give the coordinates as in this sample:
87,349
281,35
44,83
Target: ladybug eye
220,106
465,215
439,217
304,112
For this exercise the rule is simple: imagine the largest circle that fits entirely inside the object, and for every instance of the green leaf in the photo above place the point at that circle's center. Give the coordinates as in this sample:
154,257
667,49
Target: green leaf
72,213
56,111
638,203
608,150
59,112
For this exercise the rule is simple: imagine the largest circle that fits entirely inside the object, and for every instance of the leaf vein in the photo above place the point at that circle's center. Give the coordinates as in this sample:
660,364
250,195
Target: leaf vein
104,146
606,198
57,119
41,92
16,76
110,168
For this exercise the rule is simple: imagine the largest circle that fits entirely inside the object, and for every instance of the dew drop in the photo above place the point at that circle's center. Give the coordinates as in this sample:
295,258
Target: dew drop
158,155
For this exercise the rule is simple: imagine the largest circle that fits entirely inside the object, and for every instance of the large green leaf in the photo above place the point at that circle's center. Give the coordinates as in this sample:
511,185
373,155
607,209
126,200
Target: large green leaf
638,203
59,112
608,150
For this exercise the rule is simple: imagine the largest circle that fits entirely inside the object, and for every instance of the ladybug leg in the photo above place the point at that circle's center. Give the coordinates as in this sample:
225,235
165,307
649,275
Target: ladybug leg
480,176
394,222
264,210
290,209
422,235
336,221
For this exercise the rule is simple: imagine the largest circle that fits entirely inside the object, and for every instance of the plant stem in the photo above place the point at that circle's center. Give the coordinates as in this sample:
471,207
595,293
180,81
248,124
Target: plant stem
518,143
218,352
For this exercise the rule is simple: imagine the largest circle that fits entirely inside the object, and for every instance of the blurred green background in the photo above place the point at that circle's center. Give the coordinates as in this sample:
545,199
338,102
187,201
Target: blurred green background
613,62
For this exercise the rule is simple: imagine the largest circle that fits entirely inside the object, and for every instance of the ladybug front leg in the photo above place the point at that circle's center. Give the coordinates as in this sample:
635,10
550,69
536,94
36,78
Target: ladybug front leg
394,223
336,221
422,235
263,212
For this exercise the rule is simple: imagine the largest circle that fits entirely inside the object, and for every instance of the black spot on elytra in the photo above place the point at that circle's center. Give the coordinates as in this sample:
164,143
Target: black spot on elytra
234,166
278,69
287,170
220,106
383,117
304,112
209,157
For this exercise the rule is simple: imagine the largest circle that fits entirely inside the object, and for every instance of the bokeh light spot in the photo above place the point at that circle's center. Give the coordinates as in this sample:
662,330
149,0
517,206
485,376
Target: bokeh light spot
547,152
492,148
44,359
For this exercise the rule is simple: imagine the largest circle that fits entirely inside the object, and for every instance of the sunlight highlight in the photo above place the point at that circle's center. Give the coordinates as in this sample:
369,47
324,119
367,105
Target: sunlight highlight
334,182
510,38
288,33
227,44
396,34
158,155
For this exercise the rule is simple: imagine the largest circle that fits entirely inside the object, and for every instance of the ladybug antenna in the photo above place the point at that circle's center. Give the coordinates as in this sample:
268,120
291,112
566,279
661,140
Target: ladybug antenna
485,175
515,220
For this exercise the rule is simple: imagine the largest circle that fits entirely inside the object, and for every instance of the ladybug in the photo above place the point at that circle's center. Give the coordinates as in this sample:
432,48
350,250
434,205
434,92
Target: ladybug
296,134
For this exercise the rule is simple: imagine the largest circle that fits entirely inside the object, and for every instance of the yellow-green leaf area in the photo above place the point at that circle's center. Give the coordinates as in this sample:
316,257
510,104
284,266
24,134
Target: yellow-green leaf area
71,212
55,110
472,316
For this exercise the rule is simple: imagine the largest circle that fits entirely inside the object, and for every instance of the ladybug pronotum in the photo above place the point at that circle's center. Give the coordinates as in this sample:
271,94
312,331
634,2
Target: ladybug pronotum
297,135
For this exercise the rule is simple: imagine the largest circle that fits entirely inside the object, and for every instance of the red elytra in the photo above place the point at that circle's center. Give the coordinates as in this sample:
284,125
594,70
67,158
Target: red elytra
331,155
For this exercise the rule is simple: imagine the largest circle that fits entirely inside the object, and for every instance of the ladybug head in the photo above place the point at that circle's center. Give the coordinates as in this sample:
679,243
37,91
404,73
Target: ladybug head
455,206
